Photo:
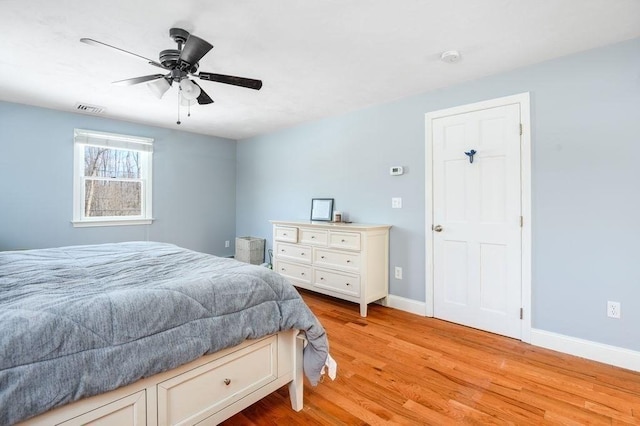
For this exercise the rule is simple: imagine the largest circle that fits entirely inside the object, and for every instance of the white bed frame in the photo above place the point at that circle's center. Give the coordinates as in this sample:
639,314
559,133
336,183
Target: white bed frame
206,391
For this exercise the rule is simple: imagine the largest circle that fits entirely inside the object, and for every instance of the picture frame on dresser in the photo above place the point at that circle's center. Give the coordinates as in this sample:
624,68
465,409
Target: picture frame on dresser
321,209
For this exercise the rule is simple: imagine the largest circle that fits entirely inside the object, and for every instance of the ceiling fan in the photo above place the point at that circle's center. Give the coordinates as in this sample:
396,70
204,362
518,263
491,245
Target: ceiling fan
180,64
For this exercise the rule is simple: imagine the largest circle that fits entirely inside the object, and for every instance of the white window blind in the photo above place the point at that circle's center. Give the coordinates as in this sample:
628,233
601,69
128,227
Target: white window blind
111,140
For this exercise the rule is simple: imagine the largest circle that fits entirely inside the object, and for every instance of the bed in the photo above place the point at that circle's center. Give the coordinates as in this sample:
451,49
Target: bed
147,333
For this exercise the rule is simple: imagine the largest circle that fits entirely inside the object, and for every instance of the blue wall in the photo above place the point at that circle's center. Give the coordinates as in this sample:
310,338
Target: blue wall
586,122
193,183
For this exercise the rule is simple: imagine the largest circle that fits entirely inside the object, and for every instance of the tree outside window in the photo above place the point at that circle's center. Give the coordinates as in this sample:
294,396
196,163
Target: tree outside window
112,179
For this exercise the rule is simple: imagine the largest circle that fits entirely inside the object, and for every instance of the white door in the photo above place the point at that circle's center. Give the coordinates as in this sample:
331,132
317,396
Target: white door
477,219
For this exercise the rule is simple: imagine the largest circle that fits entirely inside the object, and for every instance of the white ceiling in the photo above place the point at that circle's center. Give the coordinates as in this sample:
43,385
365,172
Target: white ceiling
316,58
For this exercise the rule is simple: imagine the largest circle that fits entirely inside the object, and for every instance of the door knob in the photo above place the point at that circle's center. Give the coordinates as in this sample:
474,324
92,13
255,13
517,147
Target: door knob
437,228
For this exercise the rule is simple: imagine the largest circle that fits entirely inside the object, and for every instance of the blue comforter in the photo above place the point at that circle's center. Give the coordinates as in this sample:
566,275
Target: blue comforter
79,321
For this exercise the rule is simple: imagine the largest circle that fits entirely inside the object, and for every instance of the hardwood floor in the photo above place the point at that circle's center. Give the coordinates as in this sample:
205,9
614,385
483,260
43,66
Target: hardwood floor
399,368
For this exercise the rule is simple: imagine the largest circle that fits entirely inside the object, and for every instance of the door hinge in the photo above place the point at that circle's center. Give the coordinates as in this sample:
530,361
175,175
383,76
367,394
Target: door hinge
521,221
521,313
520,129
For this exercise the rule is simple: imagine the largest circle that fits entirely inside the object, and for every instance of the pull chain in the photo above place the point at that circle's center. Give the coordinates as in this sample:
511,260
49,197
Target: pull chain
179,95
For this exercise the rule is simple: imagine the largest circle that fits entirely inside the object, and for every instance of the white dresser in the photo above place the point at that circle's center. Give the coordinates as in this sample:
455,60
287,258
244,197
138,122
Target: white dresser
345,260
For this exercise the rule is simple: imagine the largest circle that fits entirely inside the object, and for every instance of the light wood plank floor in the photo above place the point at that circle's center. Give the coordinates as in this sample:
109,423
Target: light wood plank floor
399,368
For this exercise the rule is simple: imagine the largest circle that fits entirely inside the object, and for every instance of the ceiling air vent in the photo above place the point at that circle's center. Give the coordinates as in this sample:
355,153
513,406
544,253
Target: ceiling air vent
89,109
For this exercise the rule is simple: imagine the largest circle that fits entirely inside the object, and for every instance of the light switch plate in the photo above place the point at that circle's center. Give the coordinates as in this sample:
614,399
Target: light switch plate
396,203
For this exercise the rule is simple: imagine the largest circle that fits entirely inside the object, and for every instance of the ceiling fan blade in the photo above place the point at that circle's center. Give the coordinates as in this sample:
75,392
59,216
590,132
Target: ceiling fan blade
93,42
229,79
194,49
203,99
138,80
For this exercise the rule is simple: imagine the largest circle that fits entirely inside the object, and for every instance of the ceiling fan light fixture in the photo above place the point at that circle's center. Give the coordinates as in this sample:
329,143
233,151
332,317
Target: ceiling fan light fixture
159,87
187,102
189,90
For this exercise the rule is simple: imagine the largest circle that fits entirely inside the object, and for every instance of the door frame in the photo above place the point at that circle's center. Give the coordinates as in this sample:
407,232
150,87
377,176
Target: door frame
523,100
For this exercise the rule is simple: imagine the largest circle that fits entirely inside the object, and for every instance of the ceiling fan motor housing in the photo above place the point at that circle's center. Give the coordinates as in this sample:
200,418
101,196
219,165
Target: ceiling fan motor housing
179,35
169,57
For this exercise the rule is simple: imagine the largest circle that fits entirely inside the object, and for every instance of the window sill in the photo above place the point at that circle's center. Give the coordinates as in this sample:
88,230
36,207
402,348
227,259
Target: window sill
112,222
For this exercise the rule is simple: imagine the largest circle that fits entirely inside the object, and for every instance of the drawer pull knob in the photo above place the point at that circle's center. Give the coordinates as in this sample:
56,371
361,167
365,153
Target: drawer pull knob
302,273
285,234
282,250
282,269
302,254
227,382
348,261
313,237
348,284
344,241
321,257
321,278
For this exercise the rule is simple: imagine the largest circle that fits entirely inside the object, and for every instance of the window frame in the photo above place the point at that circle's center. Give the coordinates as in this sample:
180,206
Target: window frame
143,145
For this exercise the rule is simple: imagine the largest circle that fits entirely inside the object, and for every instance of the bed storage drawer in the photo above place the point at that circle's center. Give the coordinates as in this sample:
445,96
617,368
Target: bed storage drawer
130,410
196,392
187,398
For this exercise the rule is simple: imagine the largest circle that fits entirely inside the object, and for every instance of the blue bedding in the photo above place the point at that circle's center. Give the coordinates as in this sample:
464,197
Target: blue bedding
79,321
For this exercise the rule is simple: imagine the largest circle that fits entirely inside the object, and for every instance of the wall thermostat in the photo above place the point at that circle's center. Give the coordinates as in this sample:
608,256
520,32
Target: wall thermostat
396,170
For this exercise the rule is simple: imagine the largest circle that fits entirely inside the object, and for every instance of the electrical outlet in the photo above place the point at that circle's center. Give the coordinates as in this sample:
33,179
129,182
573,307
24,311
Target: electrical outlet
398,272
226,244
613,309
396,203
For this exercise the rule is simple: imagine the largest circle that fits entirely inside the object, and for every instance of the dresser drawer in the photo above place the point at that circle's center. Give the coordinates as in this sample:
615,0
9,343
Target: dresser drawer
294,271
345,240
286,233
314,236
336,281
186,399
294,252
348,261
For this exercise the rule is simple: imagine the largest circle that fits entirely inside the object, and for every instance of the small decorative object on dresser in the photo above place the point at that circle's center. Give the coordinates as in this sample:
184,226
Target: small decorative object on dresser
347,261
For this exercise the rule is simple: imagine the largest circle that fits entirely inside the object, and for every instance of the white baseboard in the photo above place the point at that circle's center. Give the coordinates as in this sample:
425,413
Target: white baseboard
608,354
407,305
613,355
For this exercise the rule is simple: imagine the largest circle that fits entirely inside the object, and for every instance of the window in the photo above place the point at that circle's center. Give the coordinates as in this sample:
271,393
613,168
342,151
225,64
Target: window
111,179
